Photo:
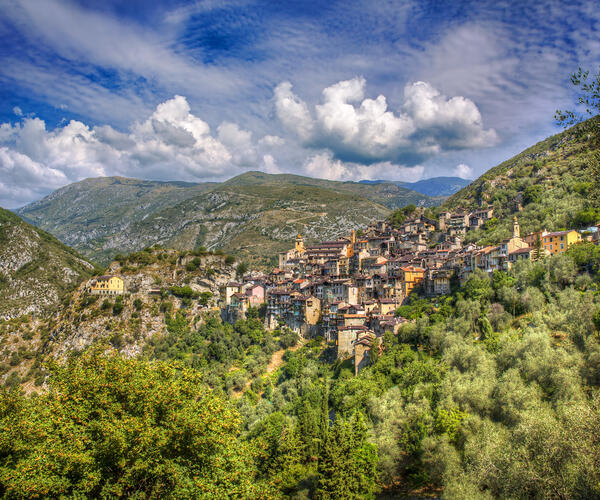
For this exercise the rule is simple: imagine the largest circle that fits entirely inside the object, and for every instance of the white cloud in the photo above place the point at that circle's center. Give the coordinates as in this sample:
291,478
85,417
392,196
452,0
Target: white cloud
23,179
271,140
325,166
463,171
363,130
18,111
172,143
292,111
270,165
88,35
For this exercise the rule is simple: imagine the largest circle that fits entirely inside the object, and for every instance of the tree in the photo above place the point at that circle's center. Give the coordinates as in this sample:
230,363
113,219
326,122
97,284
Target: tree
347,463
115,427
478,287
537,249
588,96
241,269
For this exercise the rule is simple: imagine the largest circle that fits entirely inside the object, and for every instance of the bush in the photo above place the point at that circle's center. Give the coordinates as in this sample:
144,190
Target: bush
241,269
182,291
204,298
118,306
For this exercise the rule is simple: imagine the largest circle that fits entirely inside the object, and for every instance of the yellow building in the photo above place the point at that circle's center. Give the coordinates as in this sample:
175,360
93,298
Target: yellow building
556,242
411,276
107,285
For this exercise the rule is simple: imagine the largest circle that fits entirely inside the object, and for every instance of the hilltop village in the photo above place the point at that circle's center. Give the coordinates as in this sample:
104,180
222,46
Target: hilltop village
348,290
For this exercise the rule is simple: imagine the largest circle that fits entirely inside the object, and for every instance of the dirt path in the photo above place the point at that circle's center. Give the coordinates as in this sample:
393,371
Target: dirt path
274,364
277,358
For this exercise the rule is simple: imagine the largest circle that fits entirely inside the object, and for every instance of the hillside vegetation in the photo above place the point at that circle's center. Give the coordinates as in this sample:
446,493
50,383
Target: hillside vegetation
36,270
485,394
254,214
546,186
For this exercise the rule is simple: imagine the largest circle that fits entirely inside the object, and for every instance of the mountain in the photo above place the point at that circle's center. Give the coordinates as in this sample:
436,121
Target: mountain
36,270
435,186
254,215
547,186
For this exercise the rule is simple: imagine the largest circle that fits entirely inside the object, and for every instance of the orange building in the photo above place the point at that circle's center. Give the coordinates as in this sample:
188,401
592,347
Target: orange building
411,276
556,242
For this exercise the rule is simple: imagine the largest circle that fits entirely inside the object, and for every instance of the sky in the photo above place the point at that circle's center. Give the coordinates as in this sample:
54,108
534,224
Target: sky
343,90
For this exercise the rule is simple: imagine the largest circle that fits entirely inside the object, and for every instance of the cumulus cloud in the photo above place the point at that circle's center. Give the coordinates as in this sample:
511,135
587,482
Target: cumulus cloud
463,171
325,166
292,111
364,130
172,143
18,111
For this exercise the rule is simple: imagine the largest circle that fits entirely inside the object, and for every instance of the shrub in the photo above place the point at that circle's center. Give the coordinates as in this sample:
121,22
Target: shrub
118,306
182,292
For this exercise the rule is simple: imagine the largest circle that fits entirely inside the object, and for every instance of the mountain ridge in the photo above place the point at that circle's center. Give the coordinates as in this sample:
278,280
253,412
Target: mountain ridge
256,212
434,186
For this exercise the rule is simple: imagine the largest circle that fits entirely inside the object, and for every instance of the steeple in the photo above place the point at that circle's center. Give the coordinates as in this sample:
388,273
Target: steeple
516,229
299,244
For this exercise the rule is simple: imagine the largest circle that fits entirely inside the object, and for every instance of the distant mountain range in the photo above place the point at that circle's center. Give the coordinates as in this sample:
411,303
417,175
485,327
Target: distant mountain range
254,215
435,186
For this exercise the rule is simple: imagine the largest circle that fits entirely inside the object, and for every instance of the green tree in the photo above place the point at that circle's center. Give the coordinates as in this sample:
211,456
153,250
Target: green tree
348,462
115,427
478,287
241,269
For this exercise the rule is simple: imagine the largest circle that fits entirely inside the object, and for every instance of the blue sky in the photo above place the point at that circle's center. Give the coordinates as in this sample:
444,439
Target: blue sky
345,90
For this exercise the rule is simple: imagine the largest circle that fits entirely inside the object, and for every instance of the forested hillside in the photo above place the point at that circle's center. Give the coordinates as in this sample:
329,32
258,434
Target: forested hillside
485,393
547,186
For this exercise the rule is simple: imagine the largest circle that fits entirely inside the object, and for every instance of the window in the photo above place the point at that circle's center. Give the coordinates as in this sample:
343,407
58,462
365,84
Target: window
550,246
562,246
562,238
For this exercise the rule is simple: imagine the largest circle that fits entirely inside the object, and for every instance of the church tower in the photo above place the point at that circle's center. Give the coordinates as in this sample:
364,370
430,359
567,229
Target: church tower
299,244
516,229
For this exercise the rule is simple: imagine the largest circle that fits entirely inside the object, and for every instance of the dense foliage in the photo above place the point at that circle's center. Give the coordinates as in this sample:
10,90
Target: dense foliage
110,427
490,392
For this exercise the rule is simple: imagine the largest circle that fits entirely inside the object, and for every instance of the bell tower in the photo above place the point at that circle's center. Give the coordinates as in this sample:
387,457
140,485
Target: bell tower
516,229
299,244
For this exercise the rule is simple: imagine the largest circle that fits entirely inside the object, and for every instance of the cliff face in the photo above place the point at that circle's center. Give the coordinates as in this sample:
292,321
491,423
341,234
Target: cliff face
159,284
36,270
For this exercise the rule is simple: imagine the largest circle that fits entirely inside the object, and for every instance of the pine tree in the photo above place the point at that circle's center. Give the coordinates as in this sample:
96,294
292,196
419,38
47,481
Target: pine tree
348,462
